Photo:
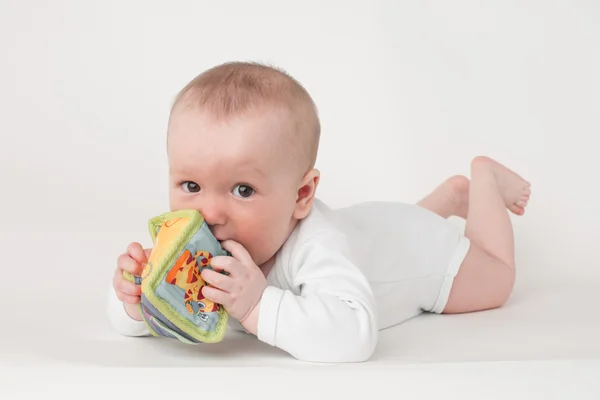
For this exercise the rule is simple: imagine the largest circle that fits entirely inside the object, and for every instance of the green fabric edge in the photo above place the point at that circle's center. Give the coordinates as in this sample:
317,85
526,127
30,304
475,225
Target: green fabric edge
196,221
129,277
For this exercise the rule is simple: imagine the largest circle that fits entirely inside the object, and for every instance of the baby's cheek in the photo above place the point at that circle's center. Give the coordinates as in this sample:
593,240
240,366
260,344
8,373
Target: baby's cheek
175,202
262,241
179,202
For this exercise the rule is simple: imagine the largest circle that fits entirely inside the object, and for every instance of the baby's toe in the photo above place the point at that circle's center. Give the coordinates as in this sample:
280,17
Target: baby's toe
517,209
521,203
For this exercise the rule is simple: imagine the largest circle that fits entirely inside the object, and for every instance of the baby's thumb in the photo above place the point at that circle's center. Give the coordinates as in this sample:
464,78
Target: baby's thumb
147,252
136,252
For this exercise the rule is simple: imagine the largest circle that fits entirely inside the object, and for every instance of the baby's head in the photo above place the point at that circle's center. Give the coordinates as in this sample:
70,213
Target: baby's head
242,144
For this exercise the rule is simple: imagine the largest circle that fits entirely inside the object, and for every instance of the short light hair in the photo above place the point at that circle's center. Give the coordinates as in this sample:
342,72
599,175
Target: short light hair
233,88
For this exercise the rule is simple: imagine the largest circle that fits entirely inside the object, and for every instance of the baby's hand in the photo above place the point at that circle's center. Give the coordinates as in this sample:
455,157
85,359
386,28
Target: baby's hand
239,292
132,261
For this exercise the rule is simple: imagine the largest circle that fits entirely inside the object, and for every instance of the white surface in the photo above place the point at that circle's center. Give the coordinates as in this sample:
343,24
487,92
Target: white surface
526,380
413,89
550,321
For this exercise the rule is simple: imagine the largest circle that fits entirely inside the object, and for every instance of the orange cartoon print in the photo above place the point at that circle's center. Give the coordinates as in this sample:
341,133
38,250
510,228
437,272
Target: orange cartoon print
185,274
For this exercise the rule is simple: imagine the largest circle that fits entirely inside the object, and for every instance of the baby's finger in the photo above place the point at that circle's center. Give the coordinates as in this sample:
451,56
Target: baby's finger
147,252
216,296
136,251
122,285
218,280
225,263
128,299
126,263
238,252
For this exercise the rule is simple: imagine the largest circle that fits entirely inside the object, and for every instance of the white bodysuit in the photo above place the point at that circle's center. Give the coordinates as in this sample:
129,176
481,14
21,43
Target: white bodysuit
345,274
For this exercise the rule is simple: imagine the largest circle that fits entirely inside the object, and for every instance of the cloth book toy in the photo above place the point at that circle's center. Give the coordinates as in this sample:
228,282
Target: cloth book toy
172,304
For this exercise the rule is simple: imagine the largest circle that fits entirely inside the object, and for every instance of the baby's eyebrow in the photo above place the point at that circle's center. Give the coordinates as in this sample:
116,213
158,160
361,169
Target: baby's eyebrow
180,171
239,170
247,167
258,171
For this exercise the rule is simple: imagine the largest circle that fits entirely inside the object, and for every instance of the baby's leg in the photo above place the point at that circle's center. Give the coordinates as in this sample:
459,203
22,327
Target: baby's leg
450,198
486,276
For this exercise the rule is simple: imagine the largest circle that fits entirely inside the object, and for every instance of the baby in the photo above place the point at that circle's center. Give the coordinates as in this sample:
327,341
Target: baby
315,282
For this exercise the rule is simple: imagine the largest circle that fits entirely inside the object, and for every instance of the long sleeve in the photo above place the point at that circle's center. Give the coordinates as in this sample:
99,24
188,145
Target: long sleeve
332,318
121,321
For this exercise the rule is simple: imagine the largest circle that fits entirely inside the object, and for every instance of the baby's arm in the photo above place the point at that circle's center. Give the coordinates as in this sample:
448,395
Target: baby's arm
333,319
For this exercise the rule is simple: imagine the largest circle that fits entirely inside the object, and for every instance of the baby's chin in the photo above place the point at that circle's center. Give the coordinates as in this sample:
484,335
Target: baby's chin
263,257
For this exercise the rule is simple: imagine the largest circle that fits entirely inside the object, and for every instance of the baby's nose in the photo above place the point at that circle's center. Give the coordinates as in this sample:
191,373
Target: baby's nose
214,213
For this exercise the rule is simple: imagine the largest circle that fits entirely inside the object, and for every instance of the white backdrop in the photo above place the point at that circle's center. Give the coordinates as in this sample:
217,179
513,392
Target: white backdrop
408,93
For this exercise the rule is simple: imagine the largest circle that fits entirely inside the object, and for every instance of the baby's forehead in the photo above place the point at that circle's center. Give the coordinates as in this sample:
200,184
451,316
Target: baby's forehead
268,135
252,138
262,125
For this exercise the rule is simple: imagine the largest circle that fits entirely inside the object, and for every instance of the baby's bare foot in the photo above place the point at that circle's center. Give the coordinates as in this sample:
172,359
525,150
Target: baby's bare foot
514,190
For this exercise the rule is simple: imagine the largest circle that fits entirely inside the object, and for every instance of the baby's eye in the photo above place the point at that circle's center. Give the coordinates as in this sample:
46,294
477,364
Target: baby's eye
191,187
244,191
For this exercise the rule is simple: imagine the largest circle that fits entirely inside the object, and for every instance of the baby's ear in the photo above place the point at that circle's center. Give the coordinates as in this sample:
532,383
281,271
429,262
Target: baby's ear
306,193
